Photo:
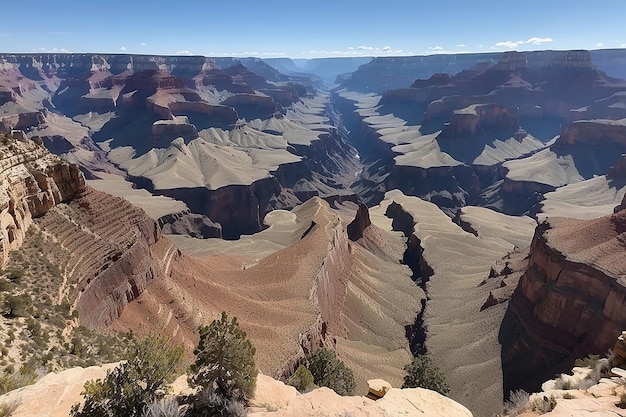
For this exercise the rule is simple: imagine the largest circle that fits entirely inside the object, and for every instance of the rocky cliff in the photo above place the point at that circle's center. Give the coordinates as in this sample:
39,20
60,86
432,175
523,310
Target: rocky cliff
384,73
569,302
238,209
481,117
593,132
31,182
104,245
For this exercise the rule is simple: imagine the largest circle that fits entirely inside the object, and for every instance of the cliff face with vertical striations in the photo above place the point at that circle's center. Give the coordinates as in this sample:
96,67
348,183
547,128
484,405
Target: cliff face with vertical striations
108,249
570,302
31,182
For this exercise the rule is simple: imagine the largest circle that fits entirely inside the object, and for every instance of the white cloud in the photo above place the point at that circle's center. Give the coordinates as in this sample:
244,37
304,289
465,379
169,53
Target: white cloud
53,50
185,52
461,45
122,48
435,48
539,41
143,44
531,41
365,48
623,45
508,44
599,44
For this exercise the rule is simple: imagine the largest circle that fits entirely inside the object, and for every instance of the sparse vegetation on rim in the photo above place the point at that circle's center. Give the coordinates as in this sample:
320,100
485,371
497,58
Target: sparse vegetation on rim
132,386
224,372
423,372
517,403
329,371
39,326
302,379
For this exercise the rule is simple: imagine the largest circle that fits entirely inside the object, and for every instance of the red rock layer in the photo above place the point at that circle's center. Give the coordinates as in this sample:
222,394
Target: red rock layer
593,132
108,249
570,302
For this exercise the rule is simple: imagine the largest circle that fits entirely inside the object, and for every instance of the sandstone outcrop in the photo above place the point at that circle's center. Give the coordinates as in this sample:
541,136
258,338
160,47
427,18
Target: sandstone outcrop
481,117
569,302
105,245
252,106
593,132
323,401
32,182
377,388
190,224
55,393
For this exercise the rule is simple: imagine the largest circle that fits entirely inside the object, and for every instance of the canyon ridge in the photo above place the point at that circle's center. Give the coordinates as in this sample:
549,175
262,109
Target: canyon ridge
469,207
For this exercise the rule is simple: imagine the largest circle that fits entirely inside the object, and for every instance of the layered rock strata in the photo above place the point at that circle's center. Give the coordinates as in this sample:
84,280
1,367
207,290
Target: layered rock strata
109,250
569,302
31,183
321,289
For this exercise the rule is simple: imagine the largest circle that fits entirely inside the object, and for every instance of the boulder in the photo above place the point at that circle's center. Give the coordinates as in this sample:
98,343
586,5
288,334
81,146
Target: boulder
377,388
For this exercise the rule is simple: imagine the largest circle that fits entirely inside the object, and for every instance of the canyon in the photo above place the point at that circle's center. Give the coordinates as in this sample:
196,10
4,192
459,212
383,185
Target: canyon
465,206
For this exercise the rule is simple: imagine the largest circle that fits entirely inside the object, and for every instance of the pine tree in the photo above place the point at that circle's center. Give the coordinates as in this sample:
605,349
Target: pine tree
328,371
225,360
422,372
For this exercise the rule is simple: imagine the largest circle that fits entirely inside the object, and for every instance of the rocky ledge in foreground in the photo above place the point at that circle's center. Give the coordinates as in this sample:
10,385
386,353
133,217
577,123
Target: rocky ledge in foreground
53,395
570,302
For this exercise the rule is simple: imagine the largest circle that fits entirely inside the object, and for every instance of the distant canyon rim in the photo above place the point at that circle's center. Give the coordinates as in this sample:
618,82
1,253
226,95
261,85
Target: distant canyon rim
470,207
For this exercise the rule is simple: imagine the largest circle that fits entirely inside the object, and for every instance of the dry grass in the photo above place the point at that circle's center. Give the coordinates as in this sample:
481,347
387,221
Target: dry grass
8,408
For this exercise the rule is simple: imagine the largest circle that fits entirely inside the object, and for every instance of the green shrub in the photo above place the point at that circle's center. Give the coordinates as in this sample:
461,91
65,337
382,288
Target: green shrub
328,371
17,305
131,386
225,359
15,275
5,285
224,371
302,379
422,372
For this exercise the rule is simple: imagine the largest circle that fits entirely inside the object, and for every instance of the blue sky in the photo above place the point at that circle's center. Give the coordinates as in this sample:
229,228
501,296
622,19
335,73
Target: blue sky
305,29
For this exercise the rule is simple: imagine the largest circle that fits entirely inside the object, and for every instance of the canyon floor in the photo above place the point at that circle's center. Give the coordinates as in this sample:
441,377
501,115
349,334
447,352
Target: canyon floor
378,216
